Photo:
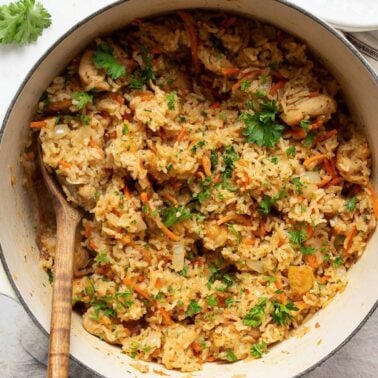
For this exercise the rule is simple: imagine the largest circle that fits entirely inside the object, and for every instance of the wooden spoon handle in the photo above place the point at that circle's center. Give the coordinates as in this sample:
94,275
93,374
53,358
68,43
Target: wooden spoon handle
60,327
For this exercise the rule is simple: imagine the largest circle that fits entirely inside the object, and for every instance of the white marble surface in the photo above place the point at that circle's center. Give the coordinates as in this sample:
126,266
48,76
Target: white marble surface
22,347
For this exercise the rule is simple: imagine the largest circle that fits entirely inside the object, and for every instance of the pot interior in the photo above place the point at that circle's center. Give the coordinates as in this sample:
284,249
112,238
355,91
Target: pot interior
18,213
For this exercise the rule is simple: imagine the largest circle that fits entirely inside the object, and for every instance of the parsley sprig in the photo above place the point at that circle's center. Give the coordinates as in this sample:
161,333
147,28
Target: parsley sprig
173,215
282,312
262,127
23,21
103,58
255,315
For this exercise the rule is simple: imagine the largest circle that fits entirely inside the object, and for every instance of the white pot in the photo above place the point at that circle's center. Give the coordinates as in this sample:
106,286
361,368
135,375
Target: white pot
338,321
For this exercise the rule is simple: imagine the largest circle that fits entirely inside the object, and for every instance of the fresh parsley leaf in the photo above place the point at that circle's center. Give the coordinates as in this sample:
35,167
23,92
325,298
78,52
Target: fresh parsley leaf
198,145
255,315
282,312
264,78
184,271
82,99
212,301
230,156
297,236
274,159
234,232
214,159
125,129
305,124
171,99
103,58
245,85
266,204
298,185
309,140
23,21
262,127
85,119
193,308
143,75
291,151
230,356
338,261
351,203
173,215
102,258
257,350
305,250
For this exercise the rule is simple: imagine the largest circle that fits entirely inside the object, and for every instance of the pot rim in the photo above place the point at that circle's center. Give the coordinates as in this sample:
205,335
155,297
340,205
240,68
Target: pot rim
114,4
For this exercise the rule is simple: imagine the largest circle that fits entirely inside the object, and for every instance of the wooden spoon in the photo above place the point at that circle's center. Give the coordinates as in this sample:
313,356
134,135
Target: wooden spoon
67,220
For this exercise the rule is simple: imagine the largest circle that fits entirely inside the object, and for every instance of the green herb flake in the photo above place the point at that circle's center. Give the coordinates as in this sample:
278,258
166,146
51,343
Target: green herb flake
305,250
282,312
198,145
234,232
257,350
82,99
171,100
85,119
274,159
212,301
193,308
261,127
298,185
245,85
309,140
102,257
351,203
230,356
173,215
305,124
291,151
103,58
255,315
125,129
297,236
338,261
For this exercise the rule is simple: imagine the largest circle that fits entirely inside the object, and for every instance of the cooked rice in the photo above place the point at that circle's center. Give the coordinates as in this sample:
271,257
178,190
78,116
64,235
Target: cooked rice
196,244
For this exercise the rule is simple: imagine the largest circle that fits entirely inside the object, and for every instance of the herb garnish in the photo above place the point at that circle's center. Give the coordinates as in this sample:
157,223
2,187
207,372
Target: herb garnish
173,215
103,58
282,312
255,315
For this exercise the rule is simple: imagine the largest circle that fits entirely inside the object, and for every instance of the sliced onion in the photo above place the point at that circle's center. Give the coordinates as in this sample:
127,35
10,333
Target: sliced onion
178,257
60,131
257,266
311,177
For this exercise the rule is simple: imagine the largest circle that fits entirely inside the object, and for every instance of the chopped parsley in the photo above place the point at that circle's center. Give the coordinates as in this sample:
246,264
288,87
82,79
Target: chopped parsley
255,315
102,257
82,99
282,312
50,275
125,129
257,350
230,156
171,99
262,127
351,203
173,215
268,202
142,76
291,151
298,185
274,159
305,124
297,236
198,145
230,356
338,261
309,140
214,159
193,308
245,85
184,271
305,250
212,301
85,119
103,58
234,232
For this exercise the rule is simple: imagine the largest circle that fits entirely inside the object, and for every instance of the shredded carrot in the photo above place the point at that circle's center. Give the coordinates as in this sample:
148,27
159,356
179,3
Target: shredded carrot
144,197
175,185
349,239
324,182
229,71
126,192
206,163
93,144
249,76
196,347
310,231
155,51
262,228
189,25
335,181
158,283
146,97
300,304
87,230
234,217
281,240
249,241
200,175
93,244
126,239
298,133
276,74
327,167
314,159
65,164
217,179
105,320
316,125
170,198
140,279
313,94
324,279
216,105
118,98
276,87
210,359
37,124
374,199
325,136
334,168
127,281
181,134
278,282
312,261
167,232
166,317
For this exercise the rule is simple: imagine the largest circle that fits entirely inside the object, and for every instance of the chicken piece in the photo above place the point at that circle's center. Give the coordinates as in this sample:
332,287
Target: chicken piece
123,58
352,160
216,236
62,106
322,105
90,76
301,279
80,260
213,60
161,37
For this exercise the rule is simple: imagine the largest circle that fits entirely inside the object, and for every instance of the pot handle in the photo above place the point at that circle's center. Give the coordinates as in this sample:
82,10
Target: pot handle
5,286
